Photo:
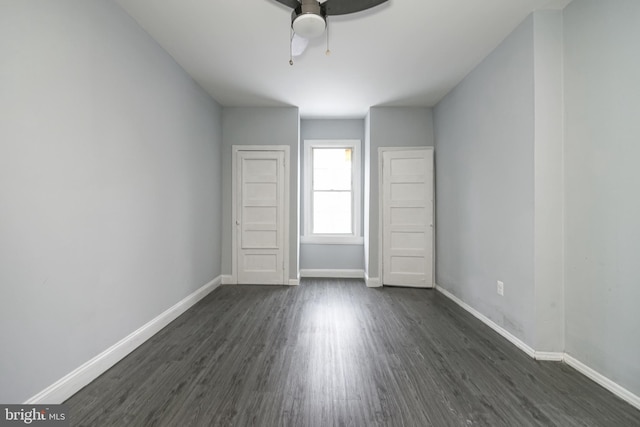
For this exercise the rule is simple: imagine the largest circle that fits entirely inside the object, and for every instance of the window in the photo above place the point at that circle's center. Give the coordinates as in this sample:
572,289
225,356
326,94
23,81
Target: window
332,192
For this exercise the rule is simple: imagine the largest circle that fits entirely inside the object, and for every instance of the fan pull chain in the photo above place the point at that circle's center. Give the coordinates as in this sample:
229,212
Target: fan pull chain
291,47
328,52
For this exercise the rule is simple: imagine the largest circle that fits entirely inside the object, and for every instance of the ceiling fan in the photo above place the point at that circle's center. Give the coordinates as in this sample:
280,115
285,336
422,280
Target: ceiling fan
309,18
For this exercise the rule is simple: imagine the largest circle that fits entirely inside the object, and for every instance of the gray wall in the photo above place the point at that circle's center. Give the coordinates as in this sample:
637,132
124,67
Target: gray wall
260,126
548,182
314,256
388,127
109,186
602,99
485,186
366,192
555,215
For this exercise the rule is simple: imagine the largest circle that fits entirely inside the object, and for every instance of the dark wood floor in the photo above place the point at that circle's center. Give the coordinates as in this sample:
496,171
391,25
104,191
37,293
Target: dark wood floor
334,353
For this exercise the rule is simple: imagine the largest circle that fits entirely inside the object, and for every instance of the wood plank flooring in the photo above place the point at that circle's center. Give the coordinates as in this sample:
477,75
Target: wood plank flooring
335,353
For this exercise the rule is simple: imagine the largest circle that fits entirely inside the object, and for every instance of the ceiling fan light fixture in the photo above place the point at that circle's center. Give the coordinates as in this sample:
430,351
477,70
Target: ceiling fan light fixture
309,25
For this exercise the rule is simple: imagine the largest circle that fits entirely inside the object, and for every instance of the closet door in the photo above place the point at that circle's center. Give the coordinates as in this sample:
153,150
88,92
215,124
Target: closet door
407,217
260,226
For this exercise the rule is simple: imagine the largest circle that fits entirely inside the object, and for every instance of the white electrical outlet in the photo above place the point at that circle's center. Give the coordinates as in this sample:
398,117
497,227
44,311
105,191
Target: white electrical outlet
500,288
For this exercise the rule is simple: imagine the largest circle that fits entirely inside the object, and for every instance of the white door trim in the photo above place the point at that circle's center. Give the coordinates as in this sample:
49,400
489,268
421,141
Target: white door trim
234,214
381,151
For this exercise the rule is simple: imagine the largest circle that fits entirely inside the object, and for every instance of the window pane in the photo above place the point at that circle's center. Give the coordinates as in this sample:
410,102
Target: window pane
332,212
332,168
328,179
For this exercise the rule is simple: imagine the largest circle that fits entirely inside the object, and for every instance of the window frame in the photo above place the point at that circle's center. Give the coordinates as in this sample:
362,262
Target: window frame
355,237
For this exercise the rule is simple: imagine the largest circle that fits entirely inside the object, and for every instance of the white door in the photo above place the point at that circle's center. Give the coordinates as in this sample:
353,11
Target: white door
407,217
259,217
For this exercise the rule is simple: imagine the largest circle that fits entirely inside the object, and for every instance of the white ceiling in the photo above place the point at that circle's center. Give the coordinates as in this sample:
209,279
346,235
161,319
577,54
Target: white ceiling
401,53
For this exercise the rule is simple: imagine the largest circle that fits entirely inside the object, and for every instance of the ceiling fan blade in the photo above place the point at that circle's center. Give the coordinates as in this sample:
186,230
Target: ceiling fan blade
290,3
298,45
342,7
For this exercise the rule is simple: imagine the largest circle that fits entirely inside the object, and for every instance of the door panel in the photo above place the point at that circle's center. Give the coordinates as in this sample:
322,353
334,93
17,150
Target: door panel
408,191
408,265
260,212
408,240
407,217
259,262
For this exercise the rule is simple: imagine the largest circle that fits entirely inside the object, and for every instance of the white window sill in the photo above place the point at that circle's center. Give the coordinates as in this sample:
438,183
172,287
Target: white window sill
332,240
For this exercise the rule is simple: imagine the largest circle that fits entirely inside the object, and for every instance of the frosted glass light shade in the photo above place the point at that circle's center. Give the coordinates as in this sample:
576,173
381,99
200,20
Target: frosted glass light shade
309,25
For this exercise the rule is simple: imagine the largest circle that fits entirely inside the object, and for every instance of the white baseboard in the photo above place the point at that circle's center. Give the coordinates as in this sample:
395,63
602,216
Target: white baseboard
372,282
549,356
605,382
490,323
332,273
73,382
227,279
